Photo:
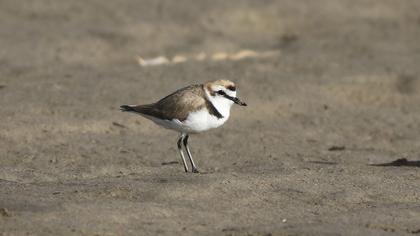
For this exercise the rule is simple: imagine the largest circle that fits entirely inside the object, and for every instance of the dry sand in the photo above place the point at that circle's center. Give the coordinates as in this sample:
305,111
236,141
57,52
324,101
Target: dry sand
312,154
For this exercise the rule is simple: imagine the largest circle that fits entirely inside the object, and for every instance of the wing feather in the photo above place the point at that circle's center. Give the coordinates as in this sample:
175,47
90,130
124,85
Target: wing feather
176,105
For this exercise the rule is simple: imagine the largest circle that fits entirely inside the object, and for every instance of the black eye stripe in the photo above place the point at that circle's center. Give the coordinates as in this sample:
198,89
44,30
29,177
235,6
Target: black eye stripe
221,92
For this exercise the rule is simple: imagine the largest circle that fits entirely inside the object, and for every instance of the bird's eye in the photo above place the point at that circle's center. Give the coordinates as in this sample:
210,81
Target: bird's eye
221,92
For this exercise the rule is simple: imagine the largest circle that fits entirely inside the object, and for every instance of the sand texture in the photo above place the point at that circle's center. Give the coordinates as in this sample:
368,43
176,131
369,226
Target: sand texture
329,143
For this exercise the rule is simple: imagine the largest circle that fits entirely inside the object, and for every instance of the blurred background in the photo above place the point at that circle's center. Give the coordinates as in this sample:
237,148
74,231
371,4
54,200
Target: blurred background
332,89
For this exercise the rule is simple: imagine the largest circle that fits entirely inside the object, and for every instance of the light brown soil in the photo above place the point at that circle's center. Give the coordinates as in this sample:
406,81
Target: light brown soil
341,96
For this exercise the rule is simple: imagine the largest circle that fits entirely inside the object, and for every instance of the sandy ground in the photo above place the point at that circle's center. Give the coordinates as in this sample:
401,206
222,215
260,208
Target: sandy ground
313,154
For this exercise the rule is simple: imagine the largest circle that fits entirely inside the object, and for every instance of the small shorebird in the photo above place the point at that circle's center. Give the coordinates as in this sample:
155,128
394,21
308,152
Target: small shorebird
193,109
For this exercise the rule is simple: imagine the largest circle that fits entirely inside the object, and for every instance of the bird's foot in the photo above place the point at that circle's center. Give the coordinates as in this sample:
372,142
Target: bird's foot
195,170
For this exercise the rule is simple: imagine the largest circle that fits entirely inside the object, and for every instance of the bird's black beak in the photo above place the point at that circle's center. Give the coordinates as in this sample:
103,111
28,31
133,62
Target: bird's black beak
233,99
236,100
239,102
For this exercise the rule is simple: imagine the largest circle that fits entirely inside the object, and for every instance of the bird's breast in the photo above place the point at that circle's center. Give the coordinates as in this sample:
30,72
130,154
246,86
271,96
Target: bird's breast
202,120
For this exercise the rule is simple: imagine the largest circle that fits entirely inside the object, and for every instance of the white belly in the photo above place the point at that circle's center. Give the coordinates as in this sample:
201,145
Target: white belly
201,120
196,122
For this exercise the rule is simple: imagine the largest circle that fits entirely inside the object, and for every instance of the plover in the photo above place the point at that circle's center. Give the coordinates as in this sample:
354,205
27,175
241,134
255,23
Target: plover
190,110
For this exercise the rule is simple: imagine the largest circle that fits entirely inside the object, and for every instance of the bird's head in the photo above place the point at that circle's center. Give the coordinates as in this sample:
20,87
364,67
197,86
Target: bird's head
223,90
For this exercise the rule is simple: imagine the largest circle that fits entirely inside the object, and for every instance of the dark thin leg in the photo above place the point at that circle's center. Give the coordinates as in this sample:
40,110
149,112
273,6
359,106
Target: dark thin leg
180,151
193,166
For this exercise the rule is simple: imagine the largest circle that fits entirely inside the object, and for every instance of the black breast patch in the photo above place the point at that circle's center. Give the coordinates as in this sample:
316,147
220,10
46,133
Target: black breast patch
212,110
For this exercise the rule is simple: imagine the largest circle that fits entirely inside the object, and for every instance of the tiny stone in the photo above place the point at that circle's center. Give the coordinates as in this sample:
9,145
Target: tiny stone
4,212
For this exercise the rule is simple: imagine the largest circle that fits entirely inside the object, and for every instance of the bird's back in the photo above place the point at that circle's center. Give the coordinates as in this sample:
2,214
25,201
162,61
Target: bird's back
176,105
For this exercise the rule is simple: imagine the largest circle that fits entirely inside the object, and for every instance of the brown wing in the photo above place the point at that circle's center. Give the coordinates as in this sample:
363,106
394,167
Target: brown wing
176,105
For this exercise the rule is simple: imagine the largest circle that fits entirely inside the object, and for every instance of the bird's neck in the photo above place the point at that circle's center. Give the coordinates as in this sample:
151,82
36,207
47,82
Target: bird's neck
221,104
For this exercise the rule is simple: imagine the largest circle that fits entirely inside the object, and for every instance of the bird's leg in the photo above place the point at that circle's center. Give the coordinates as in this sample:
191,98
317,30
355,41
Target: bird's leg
193,166
180,151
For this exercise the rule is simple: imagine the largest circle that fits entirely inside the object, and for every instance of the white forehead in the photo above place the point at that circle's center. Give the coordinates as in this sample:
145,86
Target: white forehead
230,92
227,91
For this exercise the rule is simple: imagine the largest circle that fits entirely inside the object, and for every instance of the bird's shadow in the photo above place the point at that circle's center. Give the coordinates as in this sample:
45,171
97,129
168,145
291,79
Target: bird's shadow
399,162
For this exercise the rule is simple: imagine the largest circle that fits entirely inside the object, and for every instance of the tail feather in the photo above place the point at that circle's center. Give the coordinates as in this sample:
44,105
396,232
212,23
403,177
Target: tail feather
127,108
144,110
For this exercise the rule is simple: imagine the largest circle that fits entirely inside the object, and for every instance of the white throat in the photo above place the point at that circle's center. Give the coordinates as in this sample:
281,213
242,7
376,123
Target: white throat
222,104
